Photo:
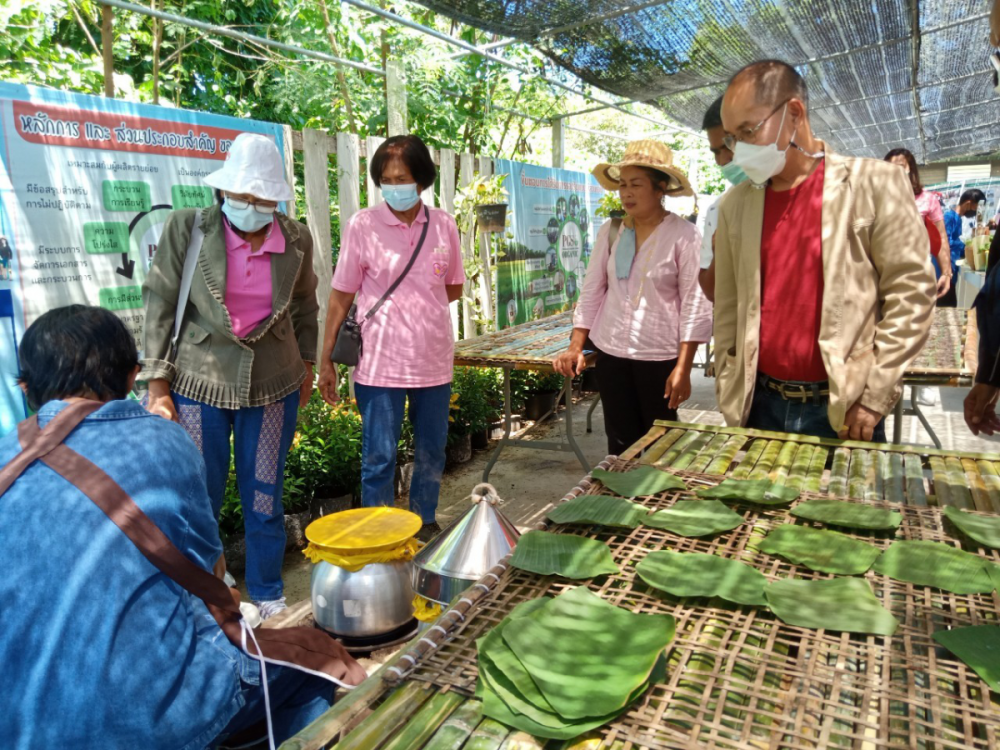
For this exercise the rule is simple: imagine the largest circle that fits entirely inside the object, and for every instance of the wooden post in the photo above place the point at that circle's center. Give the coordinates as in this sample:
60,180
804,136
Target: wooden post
447,177
558,143
465,176
372,143
289,155
348,176
485,250
107,50
428,195
316,155
395,95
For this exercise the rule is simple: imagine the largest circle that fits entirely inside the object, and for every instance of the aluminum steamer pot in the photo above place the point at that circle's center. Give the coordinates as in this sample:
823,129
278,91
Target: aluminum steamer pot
370,602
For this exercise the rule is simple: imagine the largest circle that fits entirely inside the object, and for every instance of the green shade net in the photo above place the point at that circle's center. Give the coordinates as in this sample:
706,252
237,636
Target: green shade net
586,656
695,518
562,554
841,604
698,574
848,515
819,549
982,529
936,564
598,509
759,491
978,647
639,482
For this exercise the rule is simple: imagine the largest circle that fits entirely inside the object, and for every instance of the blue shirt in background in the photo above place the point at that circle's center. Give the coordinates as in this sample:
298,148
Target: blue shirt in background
953,228
100,649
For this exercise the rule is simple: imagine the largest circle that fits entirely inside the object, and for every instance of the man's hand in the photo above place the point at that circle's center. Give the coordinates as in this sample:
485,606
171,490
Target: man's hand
980,409
678,388
160,401
306,389
328,382
943,285
570,363
860,423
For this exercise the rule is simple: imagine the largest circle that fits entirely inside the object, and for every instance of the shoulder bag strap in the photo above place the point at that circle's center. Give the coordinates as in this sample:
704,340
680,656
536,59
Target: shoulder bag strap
413,258
187,276
616,225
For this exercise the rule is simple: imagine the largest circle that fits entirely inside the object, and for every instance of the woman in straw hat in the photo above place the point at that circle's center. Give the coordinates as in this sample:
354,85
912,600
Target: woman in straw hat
641,305
242,364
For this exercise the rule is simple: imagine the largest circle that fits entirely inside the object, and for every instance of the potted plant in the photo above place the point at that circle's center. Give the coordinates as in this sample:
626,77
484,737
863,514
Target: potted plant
610,207
486,199
540,393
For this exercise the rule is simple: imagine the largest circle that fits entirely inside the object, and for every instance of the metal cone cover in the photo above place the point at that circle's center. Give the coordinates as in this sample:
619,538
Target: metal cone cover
471,545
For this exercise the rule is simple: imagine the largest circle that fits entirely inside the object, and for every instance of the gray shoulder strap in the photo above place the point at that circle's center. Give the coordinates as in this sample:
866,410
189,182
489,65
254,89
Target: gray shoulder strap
616,225
187,275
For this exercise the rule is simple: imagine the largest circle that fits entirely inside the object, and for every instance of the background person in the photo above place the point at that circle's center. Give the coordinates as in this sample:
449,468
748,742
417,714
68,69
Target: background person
118,655
960,222
408,350
824,287
244,360
641,305
981,401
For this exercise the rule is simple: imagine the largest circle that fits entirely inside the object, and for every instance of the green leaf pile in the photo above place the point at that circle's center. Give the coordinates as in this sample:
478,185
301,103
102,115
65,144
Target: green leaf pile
598,509
979,647
848,515
759,491
698,574
562,554
694,518
841,604
557,668
641,481
939,565
982,529
819,549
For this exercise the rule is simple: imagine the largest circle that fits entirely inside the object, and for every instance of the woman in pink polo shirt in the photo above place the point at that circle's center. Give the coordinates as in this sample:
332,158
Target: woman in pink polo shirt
408,343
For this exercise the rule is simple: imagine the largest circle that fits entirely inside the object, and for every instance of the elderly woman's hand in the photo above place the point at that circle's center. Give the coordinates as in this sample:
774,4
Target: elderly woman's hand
160,401
570,363
328,382
306,389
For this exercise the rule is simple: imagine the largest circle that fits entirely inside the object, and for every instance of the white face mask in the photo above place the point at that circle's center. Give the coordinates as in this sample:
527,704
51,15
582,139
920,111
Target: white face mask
761,163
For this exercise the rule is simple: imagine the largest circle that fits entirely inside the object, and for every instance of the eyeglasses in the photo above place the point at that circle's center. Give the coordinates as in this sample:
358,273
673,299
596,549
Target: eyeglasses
261,208
749,135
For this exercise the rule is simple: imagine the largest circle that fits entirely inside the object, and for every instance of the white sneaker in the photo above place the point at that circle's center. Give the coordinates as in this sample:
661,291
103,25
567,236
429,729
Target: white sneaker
270,608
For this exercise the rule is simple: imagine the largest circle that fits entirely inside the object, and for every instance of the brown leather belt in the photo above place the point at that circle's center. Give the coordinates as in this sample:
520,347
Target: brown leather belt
804,392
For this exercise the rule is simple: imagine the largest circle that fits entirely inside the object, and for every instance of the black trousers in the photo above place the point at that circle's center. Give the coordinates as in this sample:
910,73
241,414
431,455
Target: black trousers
632,394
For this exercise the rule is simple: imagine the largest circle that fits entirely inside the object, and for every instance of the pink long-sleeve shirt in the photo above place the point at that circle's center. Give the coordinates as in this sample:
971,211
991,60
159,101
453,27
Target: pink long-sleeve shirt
659,305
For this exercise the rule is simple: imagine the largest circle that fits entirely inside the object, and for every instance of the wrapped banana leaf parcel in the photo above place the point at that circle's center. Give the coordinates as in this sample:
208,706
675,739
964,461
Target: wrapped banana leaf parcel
558,667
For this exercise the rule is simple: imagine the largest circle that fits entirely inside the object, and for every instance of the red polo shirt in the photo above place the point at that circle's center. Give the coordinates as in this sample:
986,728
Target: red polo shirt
791,281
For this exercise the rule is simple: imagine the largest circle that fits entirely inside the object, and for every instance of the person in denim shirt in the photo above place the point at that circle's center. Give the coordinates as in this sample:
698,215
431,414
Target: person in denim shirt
100,649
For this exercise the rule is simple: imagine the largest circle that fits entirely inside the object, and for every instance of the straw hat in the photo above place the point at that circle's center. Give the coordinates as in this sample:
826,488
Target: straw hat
253,166
651,154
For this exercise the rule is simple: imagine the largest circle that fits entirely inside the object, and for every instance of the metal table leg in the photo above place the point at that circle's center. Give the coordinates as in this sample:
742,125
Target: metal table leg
568,425
915,411
897,421
507,417
590,413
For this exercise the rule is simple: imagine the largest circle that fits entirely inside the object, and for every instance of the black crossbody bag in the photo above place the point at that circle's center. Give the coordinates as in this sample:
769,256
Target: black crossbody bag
347,349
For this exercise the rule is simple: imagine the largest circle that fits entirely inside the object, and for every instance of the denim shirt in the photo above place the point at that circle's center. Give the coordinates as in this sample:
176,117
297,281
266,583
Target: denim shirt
99,649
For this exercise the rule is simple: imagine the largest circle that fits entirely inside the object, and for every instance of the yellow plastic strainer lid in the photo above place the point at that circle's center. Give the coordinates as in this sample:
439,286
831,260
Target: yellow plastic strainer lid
363,529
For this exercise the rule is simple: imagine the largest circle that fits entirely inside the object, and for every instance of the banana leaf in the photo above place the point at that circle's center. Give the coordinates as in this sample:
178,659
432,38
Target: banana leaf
698,574
694,518
586,656
819,549
848,515
759,491
599,509
841,604
639,482
937,564
978,647
982,529
562,554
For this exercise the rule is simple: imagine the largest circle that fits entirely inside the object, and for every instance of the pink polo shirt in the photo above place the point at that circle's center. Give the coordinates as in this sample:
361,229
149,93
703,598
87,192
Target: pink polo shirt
409,342
248,278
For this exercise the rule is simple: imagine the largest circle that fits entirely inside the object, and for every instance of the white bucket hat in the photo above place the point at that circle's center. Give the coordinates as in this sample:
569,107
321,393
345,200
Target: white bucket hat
254,167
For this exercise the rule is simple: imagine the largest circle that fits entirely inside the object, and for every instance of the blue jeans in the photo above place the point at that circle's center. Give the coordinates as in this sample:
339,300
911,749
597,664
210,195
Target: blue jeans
297,700
261,437
771,412
382,411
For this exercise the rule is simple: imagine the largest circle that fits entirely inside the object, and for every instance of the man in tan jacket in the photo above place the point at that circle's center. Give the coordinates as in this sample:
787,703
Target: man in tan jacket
824,285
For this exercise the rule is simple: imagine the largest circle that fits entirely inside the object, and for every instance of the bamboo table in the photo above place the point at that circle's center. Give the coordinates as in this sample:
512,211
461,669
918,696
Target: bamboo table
528,346
737,678
948,360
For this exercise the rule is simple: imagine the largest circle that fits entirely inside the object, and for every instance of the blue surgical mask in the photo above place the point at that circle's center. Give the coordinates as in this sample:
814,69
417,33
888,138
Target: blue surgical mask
246,219
401,197
733,173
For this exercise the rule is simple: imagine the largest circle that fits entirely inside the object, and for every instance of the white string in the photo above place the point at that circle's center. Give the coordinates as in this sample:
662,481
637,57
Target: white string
263,678
438,627
429,642
467,601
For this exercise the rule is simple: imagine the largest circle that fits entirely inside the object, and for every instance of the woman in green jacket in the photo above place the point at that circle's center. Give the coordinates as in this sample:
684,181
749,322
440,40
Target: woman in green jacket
244,358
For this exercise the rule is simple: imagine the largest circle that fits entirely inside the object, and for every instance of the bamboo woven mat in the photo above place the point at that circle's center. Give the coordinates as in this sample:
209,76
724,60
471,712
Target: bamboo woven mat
531,345
738,677
951,349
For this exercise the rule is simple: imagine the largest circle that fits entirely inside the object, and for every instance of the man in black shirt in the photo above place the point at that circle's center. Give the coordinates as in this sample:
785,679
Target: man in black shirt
981,403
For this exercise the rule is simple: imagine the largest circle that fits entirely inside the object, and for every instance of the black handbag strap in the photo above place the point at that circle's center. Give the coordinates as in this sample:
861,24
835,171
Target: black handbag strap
413,258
